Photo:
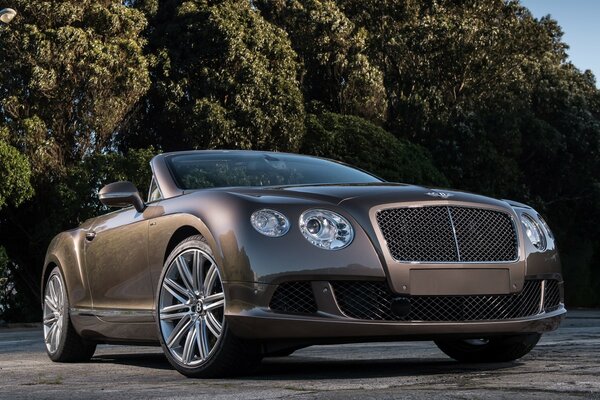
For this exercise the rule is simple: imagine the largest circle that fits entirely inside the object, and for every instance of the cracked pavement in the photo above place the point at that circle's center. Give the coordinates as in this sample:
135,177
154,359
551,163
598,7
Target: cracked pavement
564,365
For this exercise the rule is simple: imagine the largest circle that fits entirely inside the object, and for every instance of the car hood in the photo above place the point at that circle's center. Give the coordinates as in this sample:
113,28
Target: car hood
368,195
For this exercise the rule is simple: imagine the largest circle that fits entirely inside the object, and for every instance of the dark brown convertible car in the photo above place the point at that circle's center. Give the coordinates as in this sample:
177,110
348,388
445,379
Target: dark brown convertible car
239,255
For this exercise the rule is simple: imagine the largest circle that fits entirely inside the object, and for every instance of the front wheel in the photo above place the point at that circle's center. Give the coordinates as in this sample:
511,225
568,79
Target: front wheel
192,327
492,349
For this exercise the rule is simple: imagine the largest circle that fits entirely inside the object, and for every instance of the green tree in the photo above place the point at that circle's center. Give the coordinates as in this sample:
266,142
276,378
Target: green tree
15,175
361,143
71,72
223,77
336,70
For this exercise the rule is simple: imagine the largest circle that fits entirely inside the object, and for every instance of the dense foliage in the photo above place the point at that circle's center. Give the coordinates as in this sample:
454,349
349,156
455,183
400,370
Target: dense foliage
358,142
222,77
476,95
15,175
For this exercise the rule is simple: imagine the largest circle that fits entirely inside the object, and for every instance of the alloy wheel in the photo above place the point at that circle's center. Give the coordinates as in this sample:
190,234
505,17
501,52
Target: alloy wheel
191,307
53,313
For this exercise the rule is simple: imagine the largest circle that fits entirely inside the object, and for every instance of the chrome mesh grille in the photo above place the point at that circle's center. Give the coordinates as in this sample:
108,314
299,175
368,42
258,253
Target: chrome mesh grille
418,234
294,297
372,301
448,234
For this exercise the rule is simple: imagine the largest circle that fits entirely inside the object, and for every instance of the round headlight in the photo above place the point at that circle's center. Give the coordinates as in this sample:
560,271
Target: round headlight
270,222
533,232
326,229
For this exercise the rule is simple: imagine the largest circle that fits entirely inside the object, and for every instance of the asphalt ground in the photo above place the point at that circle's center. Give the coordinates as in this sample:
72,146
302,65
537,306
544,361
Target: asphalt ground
564,365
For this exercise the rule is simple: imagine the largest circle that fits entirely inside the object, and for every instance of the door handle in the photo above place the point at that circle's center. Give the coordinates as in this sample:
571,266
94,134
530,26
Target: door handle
89,236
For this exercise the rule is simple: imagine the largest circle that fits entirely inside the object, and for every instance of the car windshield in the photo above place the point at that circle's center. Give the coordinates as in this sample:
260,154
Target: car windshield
200,171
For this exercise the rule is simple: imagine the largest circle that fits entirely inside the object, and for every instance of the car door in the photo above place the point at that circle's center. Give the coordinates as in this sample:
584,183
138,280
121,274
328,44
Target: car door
116,257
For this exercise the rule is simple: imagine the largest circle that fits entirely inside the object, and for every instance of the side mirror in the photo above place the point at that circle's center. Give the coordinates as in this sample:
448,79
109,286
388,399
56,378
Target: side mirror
121,194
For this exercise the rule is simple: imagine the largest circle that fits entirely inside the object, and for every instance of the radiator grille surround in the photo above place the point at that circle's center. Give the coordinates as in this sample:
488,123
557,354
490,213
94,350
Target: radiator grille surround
448,234
371,300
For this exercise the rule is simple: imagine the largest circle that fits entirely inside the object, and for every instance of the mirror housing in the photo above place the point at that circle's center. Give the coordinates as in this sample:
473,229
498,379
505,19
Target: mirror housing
121,194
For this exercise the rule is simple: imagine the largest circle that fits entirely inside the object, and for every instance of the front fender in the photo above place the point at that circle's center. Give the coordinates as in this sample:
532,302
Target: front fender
245,255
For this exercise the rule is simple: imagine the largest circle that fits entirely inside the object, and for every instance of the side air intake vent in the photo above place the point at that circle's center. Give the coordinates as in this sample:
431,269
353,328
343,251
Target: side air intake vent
294,297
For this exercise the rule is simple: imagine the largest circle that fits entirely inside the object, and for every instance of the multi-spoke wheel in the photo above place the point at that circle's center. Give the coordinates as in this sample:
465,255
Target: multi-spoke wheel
191,307
492,349
191,315
62,341
53,313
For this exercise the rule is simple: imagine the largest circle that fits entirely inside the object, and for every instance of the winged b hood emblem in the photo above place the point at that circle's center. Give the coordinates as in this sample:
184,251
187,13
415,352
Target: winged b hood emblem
443,195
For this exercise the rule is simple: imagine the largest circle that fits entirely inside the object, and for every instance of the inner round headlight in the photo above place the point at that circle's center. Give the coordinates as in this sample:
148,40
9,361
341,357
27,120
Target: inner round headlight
270,222
326,229
533,231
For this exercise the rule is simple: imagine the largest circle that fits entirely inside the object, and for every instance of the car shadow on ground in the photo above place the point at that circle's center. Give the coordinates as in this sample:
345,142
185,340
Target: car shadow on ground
315,368
143,360
312,368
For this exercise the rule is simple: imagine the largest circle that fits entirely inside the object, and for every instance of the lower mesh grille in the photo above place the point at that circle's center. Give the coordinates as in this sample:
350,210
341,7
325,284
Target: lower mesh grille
294,297
372,301
551,296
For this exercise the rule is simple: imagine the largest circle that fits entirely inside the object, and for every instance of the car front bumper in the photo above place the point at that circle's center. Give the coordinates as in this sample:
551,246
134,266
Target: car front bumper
260,324
250,316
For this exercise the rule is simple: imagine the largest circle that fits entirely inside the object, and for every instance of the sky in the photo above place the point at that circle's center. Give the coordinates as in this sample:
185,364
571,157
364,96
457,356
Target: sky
580,21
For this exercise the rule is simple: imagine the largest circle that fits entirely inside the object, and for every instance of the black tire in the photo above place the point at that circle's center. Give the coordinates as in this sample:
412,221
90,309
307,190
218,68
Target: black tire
230,355
489,350
71,347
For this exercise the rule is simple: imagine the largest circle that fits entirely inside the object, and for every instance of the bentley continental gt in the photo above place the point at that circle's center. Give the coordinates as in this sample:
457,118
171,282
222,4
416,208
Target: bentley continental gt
240,255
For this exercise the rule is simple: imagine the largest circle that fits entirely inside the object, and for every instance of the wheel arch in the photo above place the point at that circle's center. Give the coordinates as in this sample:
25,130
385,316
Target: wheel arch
48,268
170,231
179,236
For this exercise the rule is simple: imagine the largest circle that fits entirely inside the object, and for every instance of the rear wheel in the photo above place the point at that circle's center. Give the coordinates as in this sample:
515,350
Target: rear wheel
492,349
193,330
63,344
